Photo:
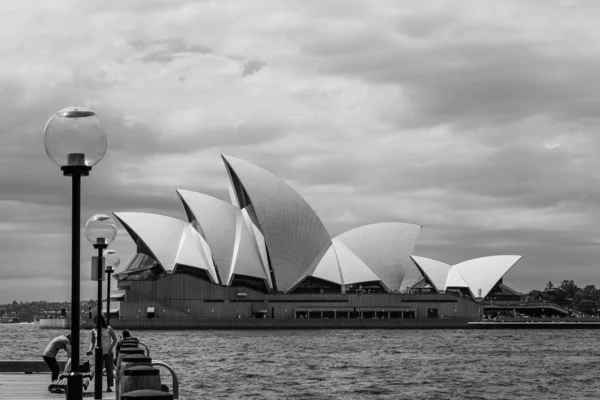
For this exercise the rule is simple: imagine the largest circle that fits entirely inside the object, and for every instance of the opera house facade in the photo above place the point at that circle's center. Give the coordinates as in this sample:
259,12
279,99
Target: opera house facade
267,255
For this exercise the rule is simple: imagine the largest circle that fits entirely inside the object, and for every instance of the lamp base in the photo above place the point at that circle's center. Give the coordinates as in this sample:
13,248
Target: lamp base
81,170
74,386
98,372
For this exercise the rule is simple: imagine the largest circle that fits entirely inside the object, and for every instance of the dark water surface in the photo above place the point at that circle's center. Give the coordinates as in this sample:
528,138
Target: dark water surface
362,364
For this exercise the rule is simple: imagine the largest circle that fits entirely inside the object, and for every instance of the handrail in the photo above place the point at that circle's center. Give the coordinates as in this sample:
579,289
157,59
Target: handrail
173,375
147,349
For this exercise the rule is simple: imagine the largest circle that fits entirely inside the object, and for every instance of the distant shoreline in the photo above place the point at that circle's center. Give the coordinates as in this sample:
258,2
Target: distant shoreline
534,325
286,323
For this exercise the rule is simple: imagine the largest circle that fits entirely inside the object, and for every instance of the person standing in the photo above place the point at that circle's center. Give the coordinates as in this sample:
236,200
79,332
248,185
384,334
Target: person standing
109,340
57,344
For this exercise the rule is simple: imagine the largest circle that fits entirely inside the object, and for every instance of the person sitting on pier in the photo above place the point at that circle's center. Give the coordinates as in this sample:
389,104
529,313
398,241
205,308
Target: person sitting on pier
109,340
62,342
124,336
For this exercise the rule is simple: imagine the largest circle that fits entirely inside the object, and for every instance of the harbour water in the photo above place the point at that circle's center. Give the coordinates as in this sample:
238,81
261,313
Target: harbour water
361,364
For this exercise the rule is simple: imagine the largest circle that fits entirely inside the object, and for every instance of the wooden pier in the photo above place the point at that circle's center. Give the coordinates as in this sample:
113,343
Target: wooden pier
22,380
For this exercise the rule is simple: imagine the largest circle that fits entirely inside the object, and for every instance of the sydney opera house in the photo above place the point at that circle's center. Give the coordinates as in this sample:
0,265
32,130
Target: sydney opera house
267,255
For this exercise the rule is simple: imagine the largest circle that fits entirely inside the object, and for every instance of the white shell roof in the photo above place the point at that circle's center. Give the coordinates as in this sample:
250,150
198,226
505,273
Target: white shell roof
480,273
328,267
217,220
246,260
353,269
340,265
277,225
483,273
259,243
455,279
294,235
222,225
171,241
384,247
192,248
435,271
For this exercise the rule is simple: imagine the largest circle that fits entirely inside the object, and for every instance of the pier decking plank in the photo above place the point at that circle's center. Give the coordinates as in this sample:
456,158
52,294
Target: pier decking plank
35,387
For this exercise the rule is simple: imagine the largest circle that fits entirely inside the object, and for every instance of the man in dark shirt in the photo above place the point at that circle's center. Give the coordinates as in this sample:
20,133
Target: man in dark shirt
58,343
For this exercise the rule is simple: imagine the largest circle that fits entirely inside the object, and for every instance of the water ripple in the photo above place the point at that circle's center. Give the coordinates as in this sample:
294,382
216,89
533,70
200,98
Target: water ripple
362,364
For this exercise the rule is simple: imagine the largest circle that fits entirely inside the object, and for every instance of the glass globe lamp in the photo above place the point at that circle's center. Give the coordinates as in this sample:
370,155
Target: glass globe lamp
75,136
111,260
100,230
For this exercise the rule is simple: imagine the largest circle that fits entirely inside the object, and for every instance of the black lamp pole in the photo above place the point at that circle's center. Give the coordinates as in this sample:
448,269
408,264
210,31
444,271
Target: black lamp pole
74,379
98,356
109,270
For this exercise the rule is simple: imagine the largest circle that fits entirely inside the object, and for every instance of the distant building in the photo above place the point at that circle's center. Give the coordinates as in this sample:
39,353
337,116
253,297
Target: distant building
268,253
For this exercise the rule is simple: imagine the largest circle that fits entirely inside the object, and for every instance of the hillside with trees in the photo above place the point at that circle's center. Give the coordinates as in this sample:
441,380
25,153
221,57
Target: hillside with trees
28,311
569,295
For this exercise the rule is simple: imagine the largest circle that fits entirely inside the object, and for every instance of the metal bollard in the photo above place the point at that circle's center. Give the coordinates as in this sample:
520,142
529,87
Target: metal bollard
128,361
146,394
126,352
137,378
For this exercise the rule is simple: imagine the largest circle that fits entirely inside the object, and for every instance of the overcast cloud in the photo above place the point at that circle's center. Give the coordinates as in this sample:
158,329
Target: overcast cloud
475,119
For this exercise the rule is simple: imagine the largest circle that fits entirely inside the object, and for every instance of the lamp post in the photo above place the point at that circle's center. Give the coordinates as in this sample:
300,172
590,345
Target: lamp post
112,261
100,230
75,140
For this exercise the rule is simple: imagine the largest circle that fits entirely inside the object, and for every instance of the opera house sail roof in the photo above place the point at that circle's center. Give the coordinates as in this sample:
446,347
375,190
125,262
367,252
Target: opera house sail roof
222,226
294,235
385,247
478,275
171,242
269,238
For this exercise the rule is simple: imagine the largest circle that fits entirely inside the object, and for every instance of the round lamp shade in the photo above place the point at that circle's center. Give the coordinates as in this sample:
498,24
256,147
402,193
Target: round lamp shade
100,229
75,136
111,259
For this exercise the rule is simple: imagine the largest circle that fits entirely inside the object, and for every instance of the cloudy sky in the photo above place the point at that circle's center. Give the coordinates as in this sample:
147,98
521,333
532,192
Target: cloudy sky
476,119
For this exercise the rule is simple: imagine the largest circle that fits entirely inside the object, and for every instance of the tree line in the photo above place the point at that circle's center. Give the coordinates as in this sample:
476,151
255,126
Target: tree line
568,294
28,310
